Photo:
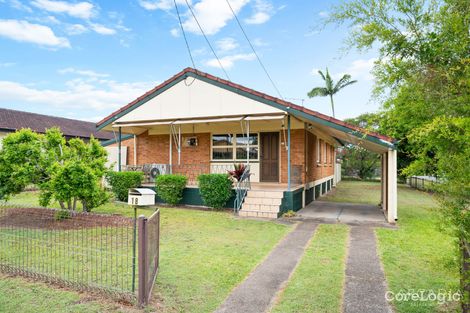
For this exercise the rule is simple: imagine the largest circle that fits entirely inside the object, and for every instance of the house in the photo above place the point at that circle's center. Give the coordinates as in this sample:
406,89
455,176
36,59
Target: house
197,123
13,120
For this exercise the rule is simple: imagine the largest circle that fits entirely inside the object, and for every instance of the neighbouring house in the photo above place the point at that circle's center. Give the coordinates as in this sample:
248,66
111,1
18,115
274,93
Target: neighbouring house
13,120
197,123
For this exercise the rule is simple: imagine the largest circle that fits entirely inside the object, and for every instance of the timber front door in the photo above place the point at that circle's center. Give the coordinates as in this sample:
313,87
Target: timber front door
269,166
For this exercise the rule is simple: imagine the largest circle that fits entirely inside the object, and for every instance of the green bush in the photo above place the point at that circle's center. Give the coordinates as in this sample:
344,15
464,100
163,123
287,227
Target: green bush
121,182
61,215
170,188
215,189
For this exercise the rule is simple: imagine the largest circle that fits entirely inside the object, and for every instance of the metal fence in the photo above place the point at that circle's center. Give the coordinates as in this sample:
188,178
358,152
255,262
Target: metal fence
86,251
425,183
465,275
149,254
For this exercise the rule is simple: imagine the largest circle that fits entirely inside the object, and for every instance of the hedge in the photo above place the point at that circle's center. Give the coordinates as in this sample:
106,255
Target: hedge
215,189
170,188
121,182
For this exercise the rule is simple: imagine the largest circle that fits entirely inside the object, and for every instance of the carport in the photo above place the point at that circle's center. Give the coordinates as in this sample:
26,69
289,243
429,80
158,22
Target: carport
348,134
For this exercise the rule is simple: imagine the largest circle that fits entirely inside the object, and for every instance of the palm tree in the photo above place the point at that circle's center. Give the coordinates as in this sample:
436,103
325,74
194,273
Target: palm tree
331,88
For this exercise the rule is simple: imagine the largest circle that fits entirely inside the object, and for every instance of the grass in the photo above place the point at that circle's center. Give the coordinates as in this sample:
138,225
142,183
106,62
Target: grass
317,283
415,256
204,254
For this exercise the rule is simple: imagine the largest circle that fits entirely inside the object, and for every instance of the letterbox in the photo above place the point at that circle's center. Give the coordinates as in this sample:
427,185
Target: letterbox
141,197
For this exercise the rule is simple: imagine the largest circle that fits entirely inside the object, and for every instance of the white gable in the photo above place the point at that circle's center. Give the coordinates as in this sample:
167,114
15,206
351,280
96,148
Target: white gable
200,99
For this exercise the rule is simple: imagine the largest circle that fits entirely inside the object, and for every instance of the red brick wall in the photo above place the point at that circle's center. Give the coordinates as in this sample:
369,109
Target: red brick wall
129,143
297,157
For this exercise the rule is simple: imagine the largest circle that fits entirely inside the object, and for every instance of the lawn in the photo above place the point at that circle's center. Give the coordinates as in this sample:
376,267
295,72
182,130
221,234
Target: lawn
416,256
204,255
317,283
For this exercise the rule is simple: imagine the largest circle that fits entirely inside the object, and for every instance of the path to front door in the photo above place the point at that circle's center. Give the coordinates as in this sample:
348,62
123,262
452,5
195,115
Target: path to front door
365,285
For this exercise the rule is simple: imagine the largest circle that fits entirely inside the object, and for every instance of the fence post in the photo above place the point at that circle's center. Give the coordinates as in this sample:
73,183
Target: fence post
465,276
142,296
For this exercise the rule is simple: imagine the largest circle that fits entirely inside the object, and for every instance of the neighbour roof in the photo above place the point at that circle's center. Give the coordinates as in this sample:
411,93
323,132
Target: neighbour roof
244,91
12,120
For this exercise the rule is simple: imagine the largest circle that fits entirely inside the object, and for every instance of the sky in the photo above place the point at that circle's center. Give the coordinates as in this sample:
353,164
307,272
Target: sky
85,59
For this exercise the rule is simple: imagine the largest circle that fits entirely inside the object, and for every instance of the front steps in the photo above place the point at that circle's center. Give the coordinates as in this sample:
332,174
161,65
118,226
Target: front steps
262,203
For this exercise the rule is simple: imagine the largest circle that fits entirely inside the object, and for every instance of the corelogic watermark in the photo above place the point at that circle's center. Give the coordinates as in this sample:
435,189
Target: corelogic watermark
423,296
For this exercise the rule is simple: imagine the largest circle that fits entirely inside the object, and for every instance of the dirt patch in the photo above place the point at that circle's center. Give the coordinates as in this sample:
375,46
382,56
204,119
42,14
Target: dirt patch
40,218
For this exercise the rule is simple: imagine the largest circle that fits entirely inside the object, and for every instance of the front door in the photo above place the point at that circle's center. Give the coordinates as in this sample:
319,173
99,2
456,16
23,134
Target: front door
269,166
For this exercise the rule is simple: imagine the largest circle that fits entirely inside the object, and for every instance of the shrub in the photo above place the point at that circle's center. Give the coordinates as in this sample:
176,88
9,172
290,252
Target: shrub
288,214
215,189
170,188
61,215
121,182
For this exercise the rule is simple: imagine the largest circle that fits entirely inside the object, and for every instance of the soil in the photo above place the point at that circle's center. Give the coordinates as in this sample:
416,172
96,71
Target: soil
40,218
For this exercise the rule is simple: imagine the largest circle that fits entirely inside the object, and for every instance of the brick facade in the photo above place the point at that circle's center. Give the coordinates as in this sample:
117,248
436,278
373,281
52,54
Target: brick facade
304,166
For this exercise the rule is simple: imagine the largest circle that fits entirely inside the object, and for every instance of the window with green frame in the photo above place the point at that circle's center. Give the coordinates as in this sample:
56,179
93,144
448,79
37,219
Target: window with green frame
233,147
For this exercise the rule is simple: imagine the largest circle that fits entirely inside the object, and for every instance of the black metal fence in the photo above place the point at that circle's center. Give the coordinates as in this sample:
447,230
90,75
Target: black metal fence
424,183
86,251
465,275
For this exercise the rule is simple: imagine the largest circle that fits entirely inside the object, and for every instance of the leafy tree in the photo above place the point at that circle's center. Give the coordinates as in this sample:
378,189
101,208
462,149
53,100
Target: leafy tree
423,75
358,161
331,88
64,171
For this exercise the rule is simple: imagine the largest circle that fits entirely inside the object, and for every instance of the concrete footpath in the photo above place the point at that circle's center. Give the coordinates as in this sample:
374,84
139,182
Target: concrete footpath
256,293
365,286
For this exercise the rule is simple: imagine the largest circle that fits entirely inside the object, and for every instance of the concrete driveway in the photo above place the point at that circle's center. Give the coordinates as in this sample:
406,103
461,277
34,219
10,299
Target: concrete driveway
343,212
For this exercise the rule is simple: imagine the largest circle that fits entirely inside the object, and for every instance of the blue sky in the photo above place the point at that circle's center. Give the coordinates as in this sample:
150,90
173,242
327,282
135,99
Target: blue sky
85,59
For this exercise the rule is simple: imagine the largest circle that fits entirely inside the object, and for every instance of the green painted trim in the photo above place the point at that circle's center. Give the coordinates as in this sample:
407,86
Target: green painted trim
253,97
113,141
192,196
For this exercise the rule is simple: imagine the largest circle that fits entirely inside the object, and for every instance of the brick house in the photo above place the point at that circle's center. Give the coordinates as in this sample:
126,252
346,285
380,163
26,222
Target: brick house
197,123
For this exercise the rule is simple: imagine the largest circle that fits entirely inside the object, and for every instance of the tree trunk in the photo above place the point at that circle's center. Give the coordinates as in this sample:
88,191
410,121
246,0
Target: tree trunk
332,105
62,205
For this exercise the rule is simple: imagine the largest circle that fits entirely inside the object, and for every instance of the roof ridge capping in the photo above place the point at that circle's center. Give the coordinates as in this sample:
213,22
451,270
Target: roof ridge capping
189,71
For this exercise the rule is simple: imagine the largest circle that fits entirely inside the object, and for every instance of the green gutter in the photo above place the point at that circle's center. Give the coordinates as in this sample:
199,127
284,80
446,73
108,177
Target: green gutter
112,141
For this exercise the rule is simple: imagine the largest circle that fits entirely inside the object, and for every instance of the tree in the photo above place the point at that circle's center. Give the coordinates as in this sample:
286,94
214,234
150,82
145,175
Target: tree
358,161
331,88
64,171
423,73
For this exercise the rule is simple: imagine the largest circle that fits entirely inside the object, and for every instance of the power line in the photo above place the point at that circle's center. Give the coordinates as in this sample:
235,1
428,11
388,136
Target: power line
184,34
253,49
207,40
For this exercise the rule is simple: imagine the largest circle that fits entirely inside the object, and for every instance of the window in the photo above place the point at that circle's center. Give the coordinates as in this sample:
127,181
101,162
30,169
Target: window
325,154
234,147
318,150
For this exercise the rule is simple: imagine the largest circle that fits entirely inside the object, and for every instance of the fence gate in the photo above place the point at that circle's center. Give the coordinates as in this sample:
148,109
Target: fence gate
149,252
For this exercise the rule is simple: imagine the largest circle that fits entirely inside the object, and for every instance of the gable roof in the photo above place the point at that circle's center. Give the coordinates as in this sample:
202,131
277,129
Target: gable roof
256,95
13,120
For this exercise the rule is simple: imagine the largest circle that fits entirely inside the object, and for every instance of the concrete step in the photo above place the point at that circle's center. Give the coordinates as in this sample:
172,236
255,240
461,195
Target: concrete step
247,213
260,207
266,201
265,194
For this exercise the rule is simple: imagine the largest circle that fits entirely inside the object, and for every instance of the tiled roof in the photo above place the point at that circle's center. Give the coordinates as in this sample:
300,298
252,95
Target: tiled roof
12,120
252,92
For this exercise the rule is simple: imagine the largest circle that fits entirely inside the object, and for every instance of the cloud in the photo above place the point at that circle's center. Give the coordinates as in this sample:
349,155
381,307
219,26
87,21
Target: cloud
83,10
16,4
102,30
226,44
83,94
165,5
213,15
175,32
7,64
258,42
323,14
263,10
87,73
24,31
75,29
229,61
361,69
